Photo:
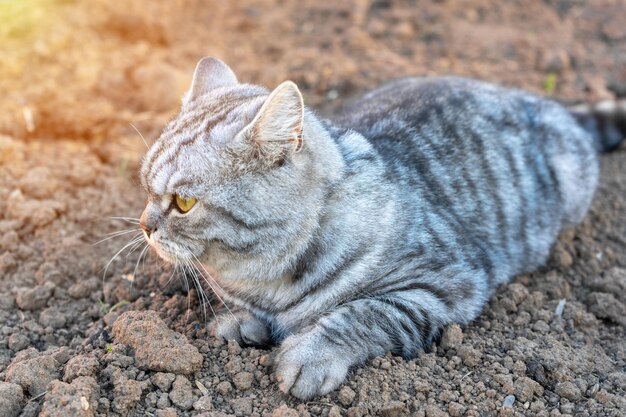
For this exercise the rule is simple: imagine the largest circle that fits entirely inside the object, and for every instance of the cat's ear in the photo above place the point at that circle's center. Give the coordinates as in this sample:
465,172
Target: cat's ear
278,124
210,74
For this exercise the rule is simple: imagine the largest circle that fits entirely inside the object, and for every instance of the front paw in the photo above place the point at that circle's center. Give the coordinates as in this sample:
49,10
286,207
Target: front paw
308,365
242,327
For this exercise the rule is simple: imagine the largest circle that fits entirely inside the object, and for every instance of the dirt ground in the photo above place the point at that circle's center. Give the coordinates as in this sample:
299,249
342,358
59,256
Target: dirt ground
77,340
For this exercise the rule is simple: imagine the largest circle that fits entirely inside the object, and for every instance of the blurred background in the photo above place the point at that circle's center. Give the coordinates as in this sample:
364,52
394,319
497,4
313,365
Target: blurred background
84,69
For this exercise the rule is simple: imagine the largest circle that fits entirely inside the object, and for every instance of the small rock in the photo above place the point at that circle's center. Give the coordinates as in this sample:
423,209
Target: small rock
508,401
11,398
243,380
52,317
393,409
81,365
79,399
224,387
284,411
6,302
33,374
242,407
469,355
166,412
452,337
205,403
156,346
525,388
346,396
334,411
126,392
568,390
34,298
455,409
433,411
182,393
233,348
163,380
18,341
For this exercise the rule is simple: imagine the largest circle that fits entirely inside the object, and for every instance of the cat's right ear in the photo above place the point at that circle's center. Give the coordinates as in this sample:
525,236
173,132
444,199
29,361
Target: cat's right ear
210,74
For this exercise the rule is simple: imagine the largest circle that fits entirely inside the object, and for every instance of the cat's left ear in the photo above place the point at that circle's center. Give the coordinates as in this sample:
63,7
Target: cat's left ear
210,74
279,123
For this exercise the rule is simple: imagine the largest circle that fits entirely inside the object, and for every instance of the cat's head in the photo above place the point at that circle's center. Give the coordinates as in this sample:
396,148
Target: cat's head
237,178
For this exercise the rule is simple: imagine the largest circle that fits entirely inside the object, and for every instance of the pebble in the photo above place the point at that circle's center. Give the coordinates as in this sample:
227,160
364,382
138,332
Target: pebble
469,355
224,387
163,380
284,411
81,365
205,403
508,401
346,395
34,298
18,341
182,393
568,390
243,380
11,397
52,317
452,337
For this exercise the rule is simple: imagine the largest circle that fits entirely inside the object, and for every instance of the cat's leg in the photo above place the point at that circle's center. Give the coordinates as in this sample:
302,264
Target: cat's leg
404,321
241,326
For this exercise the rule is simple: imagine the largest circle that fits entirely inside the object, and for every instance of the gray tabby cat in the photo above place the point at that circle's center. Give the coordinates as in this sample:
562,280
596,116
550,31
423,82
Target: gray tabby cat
348,239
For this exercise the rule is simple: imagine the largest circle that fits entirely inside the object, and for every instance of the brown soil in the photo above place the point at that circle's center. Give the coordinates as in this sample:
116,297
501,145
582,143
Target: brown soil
74,74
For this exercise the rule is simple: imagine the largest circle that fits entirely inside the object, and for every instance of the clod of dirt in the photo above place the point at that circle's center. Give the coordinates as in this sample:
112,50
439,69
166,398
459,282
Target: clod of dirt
243,380
205,403
469,355
606,306
11,397
126,392
34,298
284,411
81,365
156,346
52,317
452,337
33,374
182,393
346,395
568,390
242,407
18,341
163,380
78,399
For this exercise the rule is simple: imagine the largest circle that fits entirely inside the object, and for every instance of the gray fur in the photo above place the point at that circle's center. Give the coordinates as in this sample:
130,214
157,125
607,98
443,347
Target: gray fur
398,217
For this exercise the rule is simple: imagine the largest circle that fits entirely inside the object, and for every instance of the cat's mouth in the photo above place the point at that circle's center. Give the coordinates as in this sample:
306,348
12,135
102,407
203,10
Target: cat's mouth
171,252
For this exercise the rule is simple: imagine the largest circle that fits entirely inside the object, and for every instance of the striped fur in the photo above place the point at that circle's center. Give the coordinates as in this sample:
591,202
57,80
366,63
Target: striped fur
401,215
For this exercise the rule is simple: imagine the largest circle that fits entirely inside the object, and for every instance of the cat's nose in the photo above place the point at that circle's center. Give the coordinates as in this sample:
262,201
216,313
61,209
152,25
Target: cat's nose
146,229
147,223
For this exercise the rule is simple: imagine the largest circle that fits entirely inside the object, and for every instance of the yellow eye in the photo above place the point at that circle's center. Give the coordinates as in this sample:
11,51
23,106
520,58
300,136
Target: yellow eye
184,204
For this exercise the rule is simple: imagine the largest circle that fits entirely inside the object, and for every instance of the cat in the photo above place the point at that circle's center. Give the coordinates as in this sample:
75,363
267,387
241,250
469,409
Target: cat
346,239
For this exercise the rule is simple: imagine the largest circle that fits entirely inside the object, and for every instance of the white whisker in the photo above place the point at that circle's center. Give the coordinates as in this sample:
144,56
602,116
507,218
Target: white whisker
140,135
116,234
216,284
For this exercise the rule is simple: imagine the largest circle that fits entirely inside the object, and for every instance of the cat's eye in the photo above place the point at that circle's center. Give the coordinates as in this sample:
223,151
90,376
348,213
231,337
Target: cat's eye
184,204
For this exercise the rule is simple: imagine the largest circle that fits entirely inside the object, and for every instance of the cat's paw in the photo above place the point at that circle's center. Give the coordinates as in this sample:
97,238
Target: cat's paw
307,365
242,327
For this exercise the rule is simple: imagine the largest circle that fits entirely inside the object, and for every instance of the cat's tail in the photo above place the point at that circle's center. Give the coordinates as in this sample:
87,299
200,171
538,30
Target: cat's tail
606,121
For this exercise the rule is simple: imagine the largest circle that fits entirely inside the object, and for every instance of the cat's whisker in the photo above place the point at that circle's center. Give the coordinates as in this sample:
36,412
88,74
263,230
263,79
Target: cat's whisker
140,135
141,254
116,234
132,220
201,294
215,282
195,272
127,245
